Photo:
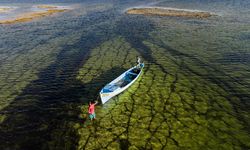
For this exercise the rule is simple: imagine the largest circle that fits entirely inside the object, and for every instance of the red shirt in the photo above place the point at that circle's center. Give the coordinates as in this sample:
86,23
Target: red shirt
91,108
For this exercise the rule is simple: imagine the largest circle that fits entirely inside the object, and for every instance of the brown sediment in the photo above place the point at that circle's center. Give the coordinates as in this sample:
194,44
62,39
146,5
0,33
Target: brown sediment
169,12
34,15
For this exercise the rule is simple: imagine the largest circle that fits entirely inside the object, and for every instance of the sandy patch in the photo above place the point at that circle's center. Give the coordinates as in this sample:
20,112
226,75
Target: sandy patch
25,17
164,11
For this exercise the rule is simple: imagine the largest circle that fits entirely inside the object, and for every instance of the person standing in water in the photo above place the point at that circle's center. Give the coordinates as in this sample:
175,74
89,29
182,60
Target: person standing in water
92,109
138,60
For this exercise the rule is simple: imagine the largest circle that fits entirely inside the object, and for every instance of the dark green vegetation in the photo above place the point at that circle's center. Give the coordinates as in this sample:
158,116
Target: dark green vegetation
193,94
181,100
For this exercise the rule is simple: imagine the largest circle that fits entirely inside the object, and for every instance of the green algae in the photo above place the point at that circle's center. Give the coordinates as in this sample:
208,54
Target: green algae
173,110
187,98
20,70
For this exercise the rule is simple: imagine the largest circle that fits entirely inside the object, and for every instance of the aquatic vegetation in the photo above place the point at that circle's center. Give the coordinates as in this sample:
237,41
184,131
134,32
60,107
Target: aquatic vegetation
177,109
193,93
37,72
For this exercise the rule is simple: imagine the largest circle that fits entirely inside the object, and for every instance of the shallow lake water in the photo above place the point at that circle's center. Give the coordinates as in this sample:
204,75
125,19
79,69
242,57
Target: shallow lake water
194,92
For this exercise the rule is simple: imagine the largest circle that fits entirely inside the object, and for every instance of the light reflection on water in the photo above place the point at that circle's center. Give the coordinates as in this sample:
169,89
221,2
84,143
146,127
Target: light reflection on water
40,60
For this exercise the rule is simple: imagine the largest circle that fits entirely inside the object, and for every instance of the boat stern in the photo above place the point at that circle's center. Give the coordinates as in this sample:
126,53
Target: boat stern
105,97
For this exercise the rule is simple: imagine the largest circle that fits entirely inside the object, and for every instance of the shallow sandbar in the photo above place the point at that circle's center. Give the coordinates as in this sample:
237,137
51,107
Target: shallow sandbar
47,10
162,11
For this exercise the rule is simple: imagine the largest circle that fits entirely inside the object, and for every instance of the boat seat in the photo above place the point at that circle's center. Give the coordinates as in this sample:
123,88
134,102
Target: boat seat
132,73
127,77
106,90
110,88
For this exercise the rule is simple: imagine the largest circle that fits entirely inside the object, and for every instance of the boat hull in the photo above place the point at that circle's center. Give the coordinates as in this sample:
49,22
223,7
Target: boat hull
105,96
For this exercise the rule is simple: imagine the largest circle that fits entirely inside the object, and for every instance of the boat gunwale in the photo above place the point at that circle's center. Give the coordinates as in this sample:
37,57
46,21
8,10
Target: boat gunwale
119,90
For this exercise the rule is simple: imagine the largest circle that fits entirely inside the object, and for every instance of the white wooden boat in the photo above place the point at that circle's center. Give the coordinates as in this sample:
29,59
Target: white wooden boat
121,83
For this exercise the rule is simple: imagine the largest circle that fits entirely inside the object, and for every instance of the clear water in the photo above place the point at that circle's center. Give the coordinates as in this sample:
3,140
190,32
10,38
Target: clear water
194,92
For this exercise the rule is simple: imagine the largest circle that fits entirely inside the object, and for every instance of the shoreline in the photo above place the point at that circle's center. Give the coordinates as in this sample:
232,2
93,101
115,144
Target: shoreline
48,10
168,11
